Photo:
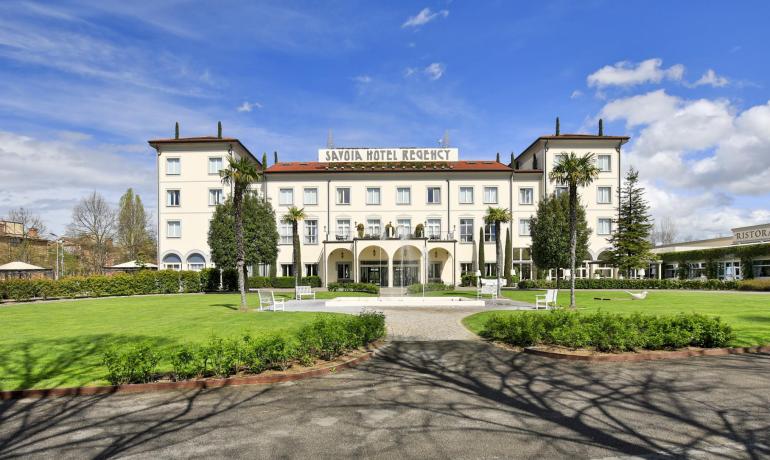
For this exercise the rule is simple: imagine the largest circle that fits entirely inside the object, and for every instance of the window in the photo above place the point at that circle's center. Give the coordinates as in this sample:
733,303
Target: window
466,230
433,229
286,196
466,267
263,269
372,195
173,166
287,269
490,235
434,271
466,195
311,269
403,195
526,195
216,196
604,162
490,195
285,232
524,227
172,262
196,262
604,227
310,196
343,195
343,229
404,227
604,195
172,197
561,189
490,269
215,165
559,158
434,195
373,227
311,231
174,229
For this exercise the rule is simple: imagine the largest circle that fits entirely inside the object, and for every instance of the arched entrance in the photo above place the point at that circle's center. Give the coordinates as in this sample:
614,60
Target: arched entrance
339,266
440,266
373,265
407,266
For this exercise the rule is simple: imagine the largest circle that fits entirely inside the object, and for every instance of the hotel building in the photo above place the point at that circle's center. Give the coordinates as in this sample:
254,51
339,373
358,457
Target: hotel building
391,216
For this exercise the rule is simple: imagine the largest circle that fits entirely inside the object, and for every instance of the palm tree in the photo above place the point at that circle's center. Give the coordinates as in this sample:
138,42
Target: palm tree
574,171
240,174
293,217
497,216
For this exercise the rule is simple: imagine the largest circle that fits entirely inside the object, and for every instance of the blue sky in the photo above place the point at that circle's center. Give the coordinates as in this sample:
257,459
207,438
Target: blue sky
84,84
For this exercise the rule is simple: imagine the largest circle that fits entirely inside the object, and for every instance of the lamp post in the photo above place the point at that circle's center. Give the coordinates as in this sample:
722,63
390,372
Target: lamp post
58,243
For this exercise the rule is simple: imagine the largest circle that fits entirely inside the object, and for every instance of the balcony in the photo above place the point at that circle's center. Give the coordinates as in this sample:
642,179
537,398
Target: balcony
394,235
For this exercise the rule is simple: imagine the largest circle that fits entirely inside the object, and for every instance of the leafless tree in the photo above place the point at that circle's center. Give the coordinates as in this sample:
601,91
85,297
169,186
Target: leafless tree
665,231
93,220
28,220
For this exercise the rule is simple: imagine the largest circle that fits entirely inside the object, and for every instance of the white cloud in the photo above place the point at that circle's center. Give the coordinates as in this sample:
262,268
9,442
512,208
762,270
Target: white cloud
435,70
423,17
249,106
576,94
363,79
625,73
641,109
712,79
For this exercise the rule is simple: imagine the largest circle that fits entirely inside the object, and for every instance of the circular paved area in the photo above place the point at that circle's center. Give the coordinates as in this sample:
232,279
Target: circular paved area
425,398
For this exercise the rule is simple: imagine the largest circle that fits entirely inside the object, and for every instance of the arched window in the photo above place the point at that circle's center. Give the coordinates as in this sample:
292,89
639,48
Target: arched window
196,262
172,262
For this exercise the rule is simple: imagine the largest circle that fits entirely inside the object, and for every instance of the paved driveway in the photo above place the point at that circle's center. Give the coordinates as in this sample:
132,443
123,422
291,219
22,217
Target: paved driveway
425,396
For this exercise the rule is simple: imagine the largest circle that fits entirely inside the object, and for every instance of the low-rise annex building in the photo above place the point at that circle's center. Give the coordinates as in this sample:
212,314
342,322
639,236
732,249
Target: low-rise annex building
391,216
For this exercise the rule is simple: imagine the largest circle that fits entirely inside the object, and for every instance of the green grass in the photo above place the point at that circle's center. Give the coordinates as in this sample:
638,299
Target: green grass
60,343
747,313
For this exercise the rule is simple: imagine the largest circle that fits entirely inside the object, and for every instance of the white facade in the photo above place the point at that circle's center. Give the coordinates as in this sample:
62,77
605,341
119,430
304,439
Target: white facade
387,193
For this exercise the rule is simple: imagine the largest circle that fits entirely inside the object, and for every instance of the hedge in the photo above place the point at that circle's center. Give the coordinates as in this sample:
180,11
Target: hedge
754,285
354,287
608,332
325,338
611,283
430,287
121,284
256,282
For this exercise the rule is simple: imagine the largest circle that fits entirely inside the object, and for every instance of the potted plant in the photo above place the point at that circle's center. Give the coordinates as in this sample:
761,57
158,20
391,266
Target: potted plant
360,230
419,231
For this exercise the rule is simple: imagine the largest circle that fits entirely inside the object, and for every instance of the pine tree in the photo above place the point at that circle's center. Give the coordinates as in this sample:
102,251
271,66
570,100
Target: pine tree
481,250
508,255
631,239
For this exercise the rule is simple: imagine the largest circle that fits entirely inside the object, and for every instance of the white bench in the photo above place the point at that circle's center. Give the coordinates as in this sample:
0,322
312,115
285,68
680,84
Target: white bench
303,291
547,300
487,289
268,301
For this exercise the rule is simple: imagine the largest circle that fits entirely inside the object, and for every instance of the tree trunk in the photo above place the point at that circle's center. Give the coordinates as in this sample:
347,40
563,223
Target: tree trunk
499,250
240,252
572,241
297,256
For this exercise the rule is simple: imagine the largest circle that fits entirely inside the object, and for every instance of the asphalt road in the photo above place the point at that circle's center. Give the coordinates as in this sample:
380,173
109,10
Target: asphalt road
425,398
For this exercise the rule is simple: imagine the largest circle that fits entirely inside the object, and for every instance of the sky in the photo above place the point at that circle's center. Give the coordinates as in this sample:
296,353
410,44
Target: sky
85,83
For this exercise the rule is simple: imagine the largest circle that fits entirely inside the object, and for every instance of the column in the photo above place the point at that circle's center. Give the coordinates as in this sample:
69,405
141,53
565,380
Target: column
390,272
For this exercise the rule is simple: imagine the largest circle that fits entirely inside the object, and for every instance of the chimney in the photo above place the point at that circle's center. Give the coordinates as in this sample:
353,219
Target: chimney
275,157
498,157
219,130
601,127
32,232
176,130
557,126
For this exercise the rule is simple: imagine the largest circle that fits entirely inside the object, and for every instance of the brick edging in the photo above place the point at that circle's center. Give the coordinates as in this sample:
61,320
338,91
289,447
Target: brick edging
648,356
189,384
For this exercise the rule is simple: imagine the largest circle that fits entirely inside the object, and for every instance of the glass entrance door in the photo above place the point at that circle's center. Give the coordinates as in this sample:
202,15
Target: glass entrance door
406,274
374,274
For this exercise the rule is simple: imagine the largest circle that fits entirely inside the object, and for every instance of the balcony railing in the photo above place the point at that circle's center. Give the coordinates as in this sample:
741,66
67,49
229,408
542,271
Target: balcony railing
394,235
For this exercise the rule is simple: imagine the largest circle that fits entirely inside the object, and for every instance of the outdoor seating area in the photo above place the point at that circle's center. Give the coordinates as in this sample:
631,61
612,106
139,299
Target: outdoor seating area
267,301
547,300
303,291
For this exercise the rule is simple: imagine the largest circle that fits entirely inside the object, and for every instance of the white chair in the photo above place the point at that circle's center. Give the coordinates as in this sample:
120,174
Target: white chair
547,300
269,302
303,291
487,289
641,296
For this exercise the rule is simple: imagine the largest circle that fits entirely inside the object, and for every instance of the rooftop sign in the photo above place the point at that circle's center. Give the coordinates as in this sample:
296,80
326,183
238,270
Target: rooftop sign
371,155
752,234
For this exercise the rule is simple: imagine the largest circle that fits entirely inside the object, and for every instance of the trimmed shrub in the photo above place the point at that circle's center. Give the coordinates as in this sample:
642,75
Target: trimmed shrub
429,287
130,364
210,279
229,280
608,332
468,280
610,283
754,285
287,282
354,287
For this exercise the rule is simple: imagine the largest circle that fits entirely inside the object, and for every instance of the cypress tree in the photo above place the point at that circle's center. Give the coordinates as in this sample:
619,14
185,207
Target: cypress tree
481,251
631,238
558,130
264,159
275,157
176,130
219,130
498,157
601,127
508,256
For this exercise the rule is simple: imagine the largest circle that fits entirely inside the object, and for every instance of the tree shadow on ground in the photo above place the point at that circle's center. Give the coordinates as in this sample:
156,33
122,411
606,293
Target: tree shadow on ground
429,399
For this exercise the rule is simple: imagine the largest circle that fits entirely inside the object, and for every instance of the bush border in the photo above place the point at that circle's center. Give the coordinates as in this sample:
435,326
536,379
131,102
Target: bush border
647,355
324,369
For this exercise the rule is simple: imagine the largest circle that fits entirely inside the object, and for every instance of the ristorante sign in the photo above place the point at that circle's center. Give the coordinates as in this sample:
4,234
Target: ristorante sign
387,154
752,234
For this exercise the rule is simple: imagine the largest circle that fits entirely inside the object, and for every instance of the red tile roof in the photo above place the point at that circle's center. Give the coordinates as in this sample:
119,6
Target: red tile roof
393,166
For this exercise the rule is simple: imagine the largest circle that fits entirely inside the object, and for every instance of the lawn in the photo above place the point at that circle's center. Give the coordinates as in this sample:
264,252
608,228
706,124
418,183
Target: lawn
60,343
747,313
